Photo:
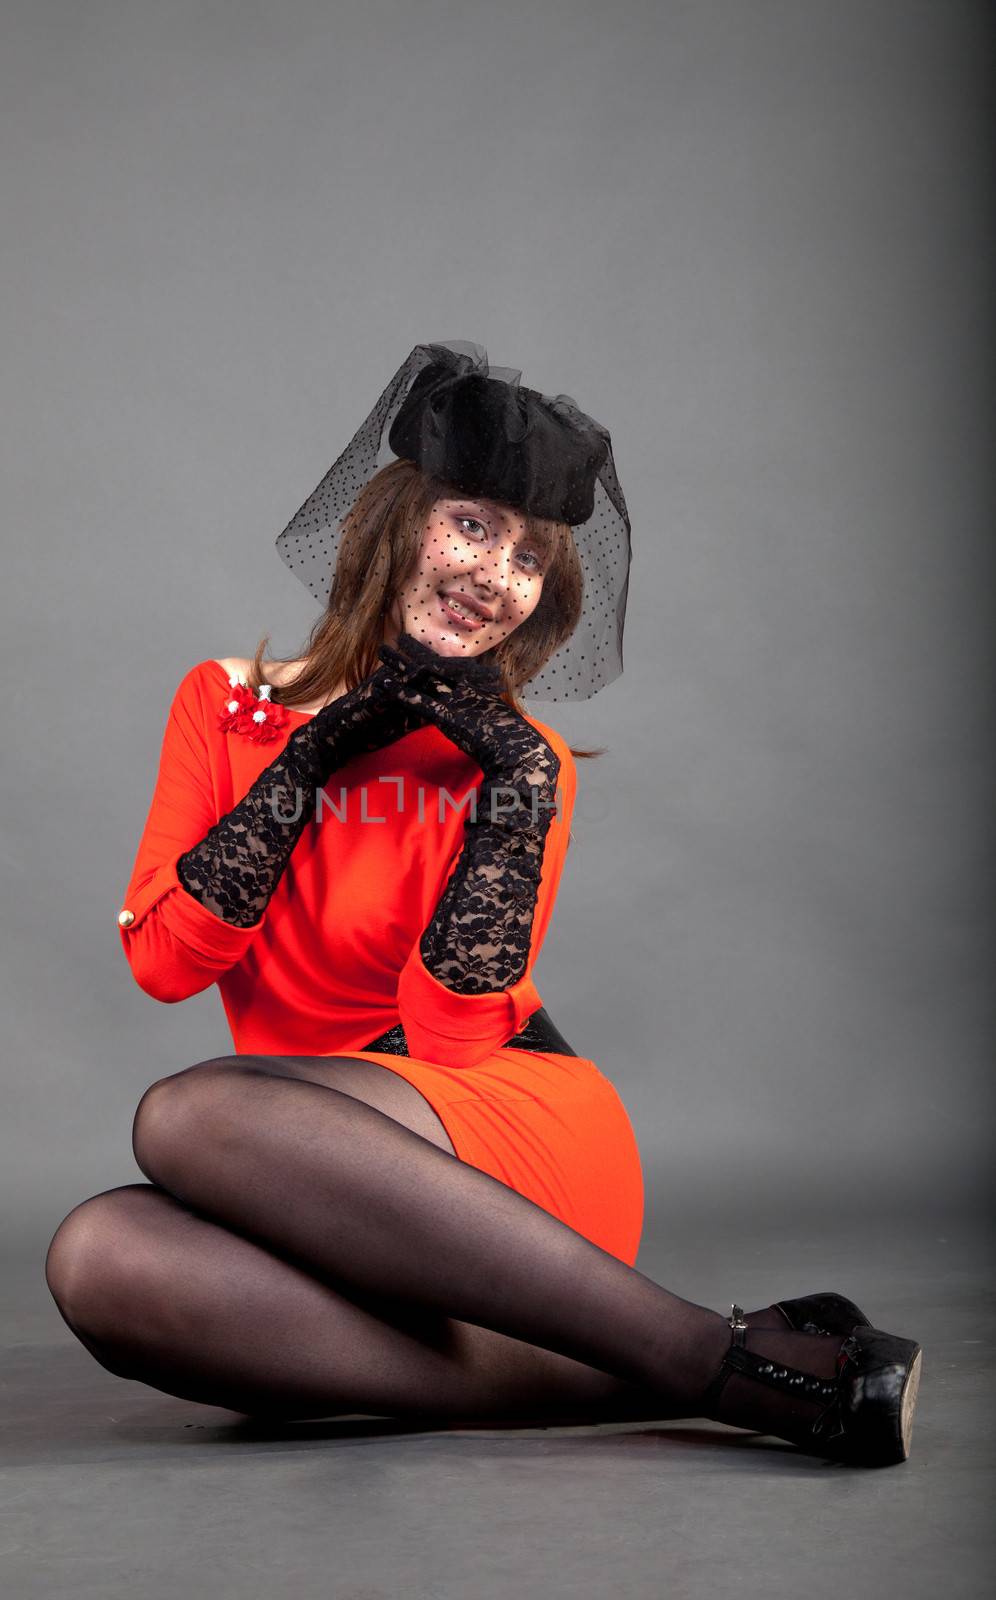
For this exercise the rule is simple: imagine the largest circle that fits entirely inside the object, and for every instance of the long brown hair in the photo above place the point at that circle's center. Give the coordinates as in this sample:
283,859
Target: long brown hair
381,540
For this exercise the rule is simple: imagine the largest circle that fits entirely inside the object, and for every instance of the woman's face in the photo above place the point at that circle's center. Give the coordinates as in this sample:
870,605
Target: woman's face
477,554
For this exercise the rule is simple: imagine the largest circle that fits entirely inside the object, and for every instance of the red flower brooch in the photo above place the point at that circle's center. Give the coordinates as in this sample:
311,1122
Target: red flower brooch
251,715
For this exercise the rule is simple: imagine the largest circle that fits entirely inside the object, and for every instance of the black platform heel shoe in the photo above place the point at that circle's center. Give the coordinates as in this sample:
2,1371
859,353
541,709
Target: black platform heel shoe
866,1410
822,1313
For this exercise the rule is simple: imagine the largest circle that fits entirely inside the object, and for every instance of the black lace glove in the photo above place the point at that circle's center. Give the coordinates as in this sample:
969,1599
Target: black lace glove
463,698
479,937
236,867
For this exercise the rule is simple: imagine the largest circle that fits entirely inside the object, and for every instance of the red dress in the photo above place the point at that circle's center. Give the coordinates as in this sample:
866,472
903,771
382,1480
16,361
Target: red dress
335,959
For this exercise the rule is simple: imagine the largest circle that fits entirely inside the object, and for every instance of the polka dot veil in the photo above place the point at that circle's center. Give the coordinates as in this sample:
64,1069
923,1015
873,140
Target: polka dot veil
480,429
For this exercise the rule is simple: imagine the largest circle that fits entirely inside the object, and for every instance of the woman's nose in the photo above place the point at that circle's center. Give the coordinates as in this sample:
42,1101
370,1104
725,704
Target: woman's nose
494,567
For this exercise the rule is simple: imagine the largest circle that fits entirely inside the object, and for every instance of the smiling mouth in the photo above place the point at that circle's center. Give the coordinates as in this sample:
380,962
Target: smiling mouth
464,616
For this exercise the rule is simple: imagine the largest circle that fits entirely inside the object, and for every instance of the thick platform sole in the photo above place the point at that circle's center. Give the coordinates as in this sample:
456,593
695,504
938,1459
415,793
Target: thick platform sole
878,1401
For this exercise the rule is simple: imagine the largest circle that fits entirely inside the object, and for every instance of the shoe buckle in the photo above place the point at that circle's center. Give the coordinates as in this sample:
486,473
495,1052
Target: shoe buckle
738,1323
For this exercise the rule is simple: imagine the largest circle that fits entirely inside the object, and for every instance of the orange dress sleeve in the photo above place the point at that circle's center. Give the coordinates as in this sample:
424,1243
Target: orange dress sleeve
174,945
461,1030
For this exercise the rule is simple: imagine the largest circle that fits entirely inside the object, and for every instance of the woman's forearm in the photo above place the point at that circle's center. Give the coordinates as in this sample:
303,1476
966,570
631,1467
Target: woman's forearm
479,937
234,870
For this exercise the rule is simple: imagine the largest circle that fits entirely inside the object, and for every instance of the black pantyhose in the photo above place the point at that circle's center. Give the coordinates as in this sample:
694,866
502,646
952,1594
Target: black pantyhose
319,1257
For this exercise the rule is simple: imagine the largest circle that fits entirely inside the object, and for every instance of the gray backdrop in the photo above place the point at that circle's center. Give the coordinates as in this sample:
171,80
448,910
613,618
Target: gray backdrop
753,239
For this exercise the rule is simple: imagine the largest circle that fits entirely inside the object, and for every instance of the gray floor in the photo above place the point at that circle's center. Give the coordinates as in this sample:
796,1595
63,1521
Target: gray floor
113,1489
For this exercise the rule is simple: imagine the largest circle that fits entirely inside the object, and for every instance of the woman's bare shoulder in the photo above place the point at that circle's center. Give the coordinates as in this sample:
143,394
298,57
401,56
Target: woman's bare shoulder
233,664
276,674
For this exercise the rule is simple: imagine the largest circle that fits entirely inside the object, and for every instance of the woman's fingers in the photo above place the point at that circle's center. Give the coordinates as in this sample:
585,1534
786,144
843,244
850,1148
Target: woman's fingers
402,672
415,661
460,695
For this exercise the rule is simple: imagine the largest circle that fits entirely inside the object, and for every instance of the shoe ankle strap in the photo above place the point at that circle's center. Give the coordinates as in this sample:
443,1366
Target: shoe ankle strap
739,1325
789,1379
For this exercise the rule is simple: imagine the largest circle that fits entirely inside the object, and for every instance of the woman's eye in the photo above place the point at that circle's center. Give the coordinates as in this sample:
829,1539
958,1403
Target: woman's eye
529,555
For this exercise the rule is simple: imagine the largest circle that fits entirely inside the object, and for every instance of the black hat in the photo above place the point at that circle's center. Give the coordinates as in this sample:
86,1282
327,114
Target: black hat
477,428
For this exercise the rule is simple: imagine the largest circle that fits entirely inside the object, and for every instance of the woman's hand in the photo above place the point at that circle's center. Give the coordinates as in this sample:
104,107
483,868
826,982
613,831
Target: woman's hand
367,718
462,696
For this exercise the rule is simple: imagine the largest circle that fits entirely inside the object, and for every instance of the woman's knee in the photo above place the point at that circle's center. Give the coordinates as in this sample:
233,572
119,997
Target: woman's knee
179,1109
92,1256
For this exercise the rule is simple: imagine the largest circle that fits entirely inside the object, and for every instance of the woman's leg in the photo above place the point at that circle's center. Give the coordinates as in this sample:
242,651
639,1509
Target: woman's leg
163,1295
359,1201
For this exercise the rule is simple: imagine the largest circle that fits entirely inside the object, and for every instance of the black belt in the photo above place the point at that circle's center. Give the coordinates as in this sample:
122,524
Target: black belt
539,1033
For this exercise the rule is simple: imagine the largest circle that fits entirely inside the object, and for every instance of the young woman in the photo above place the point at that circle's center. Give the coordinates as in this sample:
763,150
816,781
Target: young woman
404,1194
